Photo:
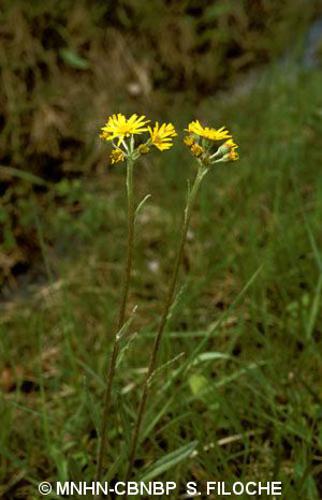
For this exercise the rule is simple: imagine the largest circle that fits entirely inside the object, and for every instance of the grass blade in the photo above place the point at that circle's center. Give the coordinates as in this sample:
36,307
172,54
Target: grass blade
169,461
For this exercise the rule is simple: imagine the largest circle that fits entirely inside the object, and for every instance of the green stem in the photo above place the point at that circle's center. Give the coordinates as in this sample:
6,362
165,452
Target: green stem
120,322
167,305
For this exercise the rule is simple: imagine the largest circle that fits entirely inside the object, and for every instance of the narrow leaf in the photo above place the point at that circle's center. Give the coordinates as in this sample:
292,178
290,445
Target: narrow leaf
73,60
169,461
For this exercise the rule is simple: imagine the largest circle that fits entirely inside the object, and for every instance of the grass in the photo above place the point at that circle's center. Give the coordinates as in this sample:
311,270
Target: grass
243,401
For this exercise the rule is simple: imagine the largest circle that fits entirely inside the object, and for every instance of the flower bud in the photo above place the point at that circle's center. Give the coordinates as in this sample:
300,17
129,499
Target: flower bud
117,156
228,146
189,140
143,149
230,156
196,150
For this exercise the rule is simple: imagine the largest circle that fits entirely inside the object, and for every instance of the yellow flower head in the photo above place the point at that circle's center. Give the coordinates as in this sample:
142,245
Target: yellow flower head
119,127
230,144
196,150
212,134
189,140
116,156
233,155
161,137
227,151
227,147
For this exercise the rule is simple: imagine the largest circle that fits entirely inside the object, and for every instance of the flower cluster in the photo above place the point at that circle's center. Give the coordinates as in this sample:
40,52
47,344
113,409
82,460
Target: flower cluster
121,131
202,143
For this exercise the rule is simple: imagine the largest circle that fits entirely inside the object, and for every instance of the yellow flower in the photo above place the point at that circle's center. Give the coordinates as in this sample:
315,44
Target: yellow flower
188,140
233,155
196,150
116,156
161,137
227,147
119,127
212,134
230,144
227,151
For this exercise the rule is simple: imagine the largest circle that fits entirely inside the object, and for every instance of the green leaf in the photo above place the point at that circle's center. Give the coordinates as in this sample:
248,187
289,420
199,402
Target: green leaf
169,461
22,174
73,60
315,309
210,356
197,383
140,205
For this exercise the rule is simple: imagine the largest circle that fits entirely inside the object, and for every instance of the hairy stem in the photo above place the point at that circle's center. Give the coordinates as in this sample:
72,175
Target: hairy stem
120,322
167,305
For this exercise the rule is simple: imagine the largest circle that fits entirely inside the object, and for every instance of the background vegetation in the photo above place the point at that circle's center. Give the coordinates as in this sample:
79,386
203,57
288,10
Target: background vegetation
245,397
